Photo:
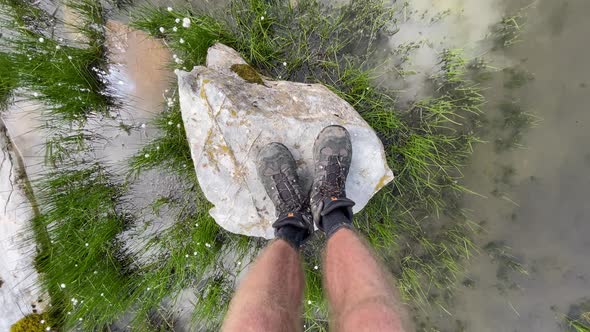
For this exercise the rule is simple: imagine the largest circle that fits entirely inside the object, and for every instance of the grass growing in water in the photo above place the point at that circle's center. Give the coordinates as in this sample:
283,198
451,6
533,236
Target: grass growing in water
426,144
76,220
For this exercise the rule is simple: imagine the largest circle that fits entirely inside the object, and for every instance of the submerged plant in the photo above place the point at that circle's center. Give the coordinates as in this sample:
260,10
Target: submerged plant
578,317
507,32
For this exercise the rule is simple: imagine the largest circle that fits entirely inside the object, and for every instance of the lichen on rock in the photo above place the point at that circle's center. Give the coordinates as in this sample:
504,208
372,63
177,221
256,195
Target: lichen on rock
32,323
247,73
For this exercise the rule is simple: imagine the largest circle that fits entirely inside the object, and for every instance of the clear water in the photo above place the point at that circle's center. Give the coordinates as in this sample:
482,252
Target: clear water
542,211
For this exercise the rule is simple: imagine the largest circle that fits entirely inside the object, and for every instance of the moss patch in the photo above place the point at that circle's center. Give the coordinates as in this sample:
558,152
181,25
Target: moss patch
32,323
247,73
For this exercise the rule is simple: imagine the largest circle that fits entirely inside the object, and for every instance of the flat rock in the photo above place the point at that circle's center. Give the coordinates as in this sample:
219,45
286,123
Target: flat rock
228,120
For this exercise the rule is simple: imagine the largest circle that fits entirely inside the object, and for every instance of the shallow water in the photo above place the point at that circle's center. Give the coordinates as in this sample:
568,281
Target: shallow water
536,195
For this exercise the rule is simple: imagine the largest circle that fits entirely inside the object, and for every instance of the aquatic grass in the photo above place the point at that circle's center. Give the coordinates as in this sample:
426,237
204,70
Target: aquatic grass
83,267
170,151
578,316
426,145
415,224
67,75
76,222
507,32
8,80
189,35
581,324
511,123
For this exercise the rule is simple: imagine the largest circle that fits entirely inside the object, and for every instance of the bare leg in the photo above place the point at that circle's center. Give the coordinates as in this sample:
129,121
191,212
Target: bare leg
270,296
359,290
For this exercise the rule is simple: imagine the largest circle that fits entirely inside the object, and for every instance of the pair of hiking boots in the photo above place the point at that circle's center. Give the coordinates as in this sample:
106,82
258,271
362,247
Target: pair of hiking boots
326,205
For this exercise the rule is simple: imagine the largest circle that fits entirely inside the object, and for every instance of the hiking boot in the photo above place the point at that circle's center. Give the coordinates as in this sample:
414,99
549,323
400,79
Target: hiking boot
332,154
277,171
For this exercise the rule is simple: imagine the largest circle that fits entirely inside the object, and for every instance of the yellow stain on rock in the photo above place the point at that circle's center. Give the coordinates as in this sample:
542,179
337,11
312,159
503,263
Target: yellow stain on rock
382,182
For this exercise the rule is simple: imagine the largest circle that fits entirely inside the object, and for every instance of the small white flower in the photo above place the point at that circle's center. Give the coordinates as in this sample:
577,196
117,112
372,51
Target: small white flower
308,302
196,225
147,155
174,29
162,29
42,321
262,18
30,58
95,272
86,244
169,9
69,57
315,267
177,20
239,263
181,40
41,39
170,123
178,125
194,253
158,147
183,165
48,328
207,245
148,288
35,94
80,319
57,47
142,126
186,22
174,56
69,312
284,64
186,255
62,285
178,60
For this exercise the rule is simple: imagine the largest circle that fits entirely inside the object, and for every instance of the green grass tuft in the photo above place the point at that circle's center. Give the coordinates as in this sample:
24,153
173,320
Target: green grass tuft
83,268
67,76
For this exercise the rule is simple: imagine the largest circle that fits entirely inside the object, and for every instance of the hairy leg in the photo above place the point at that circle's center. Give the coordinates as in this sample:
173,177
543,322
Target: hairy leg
270,296
360,291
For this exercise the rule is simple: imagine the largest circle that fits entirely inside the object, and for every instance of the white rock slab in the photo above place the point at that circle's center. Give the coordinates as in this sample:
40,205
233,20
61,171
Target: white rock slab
228,121
19,289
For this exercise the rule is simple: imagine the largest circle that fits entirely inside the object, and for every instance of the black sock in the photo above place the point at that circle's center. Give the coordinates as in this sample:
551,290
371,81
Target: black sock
292,234
335,220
